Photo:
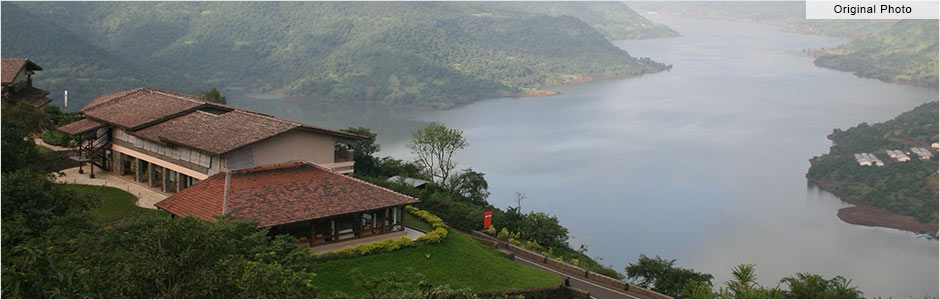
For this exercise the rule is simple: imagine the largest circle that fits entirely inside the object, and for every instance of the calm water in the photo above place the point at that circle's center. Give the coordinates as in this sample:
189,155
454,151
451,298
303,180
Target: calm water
704,163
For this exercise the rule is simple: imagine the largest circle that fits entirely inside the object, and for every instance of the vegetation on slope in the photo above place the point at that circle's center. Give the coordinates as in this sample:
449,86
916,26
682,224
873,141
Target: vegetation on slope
790,15
481,269
900,187
905,52
71,62
431,54
613,19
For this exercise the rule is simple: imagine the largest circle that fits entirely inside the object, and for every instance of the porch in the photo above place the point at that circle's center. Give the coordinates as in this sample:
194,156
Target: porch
340,231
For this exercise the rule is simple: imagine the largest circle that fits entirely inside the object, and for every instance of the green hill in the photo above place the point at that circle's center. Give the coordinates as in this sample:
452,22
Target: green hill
613,19
789,14
906,188
432,54
905,52
70,62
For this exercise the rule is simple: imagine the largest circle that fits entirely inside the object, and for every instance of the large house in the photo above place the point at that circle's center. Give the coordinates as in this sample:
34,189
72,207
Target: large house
216,160
18,87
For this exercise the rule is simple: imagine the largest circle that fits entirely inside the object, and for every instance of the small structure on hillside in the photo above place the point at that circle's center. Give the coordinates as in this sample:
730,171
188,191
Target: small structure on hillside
898,155
412,182
923,153
18,87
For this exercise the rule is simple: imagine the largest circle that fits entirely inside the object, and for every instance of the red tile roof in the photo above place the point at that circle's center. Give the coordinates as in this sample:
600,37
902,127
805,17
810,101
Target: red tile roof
282,194
11,67
167,117
140,107
80,126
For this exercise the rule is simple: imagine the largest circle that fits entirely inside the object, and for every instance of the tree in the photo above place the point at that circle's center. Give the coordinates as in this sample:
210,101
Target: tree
210,96
19,123
471,185
814,286
662,276
363,149
435,145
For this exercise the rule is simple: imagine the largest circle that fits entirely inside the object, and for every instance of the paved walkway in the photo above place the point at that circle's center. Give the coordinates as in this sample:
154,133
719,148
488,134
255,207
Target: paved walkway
410,233
146,197
39,141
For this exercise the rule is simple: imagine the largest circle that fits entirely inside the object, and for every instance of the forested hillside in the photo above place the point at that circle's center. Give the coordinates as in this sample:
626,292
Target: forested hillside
905,52
613,19
907,188
789,14
70,62
431,54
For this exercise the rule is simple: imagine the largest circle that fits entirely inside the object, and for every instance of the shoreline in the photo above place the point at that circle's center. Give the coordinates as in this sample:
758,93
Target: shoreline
867,214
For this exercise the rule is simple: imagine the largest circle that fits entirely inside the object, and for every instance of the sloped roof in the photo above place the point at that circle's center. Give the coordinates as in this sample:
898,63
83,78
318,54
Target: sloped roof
140,107
12,66
281,194
167,117
80,126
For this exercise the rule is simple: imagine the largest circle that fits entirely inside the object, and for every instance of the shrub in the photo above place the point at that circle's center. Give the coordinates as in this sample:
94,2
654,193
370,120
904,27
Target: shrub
434,237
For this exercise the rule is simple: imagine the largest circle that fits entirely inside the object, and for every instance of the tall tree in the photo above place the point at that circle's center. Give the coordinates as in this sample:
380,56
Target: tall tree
435,145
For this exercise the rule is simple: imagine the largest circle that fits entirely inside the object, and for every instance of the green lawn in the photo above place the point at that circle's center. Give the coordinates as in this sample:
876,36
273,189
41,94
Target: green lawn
115,204
415,222
458,261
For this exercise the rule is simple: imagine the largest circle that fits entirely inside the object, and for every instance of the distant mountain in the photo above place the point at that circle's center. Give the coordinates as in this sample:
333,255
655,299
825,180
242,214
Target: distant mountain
432,54
789,14
906,52
70,62
613,19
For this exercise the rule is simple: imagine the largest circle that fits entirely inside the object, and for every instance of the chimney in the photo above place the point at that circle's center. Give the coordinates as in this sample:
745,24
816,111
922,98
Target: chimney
228,187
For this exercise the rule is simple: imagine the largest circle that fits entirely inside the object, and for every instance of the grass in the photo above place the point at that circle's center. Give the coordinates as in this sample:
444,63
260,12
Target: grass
415,222
458,261
115,204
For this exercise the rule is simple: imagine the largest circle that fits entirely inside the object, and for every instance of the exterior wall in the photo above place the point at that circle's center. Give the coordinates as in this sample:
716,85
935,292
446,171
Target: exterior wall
184,157
295,146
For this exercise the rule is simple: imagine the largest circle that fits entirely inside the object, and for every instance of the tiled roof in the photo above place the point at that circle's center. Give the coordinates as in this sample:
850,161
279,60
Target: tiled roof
282,194
31,96
140,107
80,126
12,66
216,133
166,117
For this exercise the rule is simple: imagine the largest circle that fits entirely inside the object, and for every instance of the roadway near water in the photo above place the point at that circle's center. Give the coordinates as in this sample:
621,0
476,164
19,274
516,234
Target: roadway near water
704,163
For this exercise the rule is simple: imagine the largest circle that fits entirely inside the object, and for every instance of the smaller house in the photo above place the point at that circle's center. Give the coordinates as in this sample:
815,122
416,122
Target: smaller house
412,182
18,82
299,198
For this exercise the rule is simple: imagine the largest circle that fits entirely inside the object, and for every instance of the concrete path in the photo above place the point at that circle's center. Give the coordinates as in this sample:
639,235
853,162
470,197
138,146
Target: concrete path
40,142
146,197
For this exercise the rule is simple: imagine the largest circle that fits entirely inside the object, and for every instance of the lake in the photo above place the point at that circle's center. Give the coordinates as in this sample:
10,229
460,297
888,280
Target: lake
704,163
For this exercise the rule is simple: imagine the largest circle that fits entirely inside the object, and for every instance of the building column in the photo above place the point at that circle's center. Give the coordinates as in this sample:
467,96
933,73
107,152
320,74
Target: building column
151,175
138,172
166,180
313,231
179,182
333,229
117,162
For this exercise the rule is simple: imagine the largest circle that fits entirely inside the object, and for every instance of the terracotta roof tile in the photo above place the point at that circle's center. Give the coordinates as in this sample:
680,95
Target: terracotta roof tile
11,67
140,107
80,126
282,194
215,133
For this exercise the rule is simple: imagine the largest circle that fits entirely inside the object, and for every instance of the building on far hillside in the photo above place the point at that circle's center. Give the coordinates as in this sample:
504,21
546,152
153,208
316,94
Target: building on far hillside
18,87
172,141
301,199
